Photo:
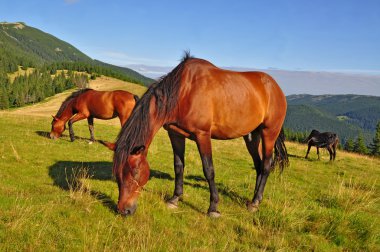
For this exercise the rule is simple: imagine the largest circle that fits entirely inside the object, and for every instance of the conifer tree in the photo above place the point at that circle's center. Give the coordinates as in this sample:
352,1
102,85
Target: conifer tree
360,146
349,145
375,146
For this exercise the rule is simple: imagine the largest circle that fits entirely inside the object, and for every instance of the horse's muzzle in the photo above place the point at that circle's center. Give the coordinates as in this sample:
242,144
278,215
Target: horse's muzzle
129,210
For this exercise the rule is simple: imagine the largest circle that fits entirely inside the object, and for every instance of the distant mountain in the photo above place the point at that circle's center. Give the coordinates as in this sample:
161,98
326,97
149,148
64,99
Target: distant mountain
29,47
300,82
345,114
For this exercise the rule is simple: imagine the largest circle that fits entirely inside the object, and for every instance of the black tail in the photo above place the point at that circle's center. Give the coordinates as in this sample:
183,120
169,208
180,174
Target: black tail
280,152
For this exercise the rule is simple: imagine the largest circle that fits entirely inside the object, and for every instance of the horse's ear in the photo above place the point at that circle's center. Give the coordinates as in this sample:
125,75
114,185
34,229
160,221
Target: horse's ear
55,118
138,150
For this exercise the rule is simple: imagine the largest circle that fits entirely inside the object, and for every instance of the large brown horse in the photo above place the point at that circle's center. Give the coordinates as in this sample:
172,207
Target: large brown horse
90,104
199,101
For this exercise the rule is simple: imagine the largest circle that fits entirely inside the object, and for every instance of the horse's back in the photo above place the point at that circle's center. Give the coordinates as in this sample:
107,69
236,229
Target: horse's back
104,104
231,103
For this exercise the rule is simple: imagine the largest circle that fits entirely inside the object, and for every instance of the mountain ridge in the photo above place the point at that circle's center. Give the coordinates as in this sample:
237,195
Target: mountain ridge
28,46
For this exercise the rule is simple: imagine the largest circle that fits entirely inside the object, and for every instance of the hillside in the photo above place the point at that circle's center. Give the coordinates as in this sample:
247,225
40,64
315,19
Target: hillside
29,47
344,114
50,106
59,195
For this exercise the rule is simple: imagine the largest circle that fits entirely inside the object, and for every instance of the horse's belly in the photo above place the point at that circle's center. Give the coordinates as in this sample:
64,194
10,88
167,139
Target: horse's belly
234,128
104,115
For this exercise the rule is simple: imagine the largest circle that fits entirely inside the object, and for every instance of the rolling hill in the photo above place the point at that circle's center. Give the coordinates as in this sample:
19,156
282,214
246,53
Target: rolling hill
345,114
30,47
61,195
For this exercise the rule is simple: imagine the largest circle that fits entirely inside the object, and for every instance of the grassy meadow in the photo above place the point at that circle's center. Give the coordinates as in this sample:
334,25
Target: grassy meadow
61,196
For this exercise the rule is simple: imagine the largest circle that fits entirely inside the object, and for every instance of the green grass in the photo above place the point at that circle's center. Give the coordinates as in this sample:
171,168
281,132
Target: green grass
58,195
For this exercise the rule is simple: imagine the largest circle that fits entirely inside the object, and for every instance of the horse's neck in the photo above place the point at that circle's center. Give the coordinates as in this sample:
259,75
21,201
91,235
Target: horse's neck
155,124
67,113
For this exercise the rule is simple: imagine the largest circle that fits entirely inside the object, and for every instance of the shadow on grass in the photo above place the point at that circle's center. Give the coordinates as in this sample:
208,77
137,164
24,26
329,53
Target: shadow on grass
62,173
200,182
296,156
64,137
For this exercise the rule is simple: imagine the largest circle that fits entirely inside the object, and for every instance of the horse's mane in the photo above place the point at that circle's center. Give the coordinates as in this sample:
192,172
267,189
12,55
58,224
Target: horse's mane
67,101
137,128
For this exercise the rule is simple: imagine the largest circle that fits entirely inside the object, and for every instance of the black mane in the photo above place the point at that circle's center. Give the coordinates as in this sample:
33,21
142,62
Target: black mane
137,128
66,102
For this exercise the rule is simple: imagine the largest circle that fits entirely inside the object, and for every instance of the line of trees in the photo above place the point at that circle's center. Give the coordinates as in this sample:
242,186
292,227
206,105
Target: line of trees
352,145
36,86
92,69
358,145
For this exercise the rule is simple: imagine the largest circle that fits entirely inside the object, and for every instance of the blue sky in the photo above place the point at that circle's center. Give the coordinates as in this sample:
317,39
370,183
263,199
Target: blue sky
290,34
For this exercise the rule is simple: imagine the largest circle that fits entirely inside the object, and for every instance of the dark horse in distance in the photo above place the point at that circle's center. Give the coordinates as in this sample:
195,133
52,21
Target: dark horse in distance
199,101
328,140
90,104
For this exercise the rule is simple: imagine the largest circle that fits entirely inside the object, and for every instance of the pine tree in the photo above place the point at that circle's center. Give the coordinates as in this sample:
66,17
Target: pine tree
4,99
375,146
360,146
349,145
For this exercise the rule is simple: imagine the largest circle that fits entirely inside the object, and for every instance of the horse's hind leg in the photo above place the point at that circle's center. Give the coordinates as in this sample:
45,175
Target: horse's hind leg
268,137
252,141
330,152
203,140
178,145
75,118
90,121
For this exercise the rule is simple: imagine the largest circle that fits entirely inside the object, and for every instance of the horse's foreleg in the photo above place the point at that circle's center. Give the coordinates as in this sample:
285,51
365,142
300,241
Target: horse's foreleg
334,149
203,141
308,150
318,153
74,119
90,121
178,145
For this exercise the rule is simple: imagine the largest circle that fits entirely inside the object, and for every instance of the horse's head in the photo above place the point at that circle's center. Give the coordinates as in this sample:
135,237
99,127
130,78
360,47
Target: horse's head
131,179
57,127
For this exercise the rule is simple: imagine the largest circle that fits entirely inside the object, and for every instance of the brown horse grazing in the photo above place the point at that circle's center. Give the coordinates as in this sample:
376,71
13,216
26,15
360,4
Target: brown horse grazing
90,104
199,101
328,140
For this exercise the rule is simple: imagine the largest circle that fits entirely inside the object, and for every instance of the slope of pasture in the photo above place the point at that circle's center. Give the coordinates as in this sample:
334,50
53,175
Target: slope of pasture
59,195
52,104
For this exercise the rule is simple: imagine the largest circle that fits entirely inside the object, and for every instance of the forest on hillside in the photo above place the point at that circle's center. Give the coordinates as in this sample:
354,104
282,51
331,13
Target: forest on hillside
43,66
36,86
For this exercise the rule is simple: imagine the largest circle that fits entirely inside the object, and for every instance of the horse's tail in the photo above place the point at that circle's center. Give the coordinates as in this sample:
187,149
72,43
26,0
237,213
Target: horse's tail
109,145
280,152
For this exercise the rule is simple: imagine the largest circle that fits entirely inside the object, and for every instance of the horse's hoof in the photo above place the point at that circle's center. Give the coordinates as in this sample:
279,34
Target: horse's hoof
171,205
215,214
252,207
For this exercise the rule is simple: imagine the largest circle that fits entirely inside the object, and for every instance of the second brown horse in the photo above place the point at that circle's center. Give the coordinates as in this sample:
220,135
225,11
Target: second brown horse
90,104
200,101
